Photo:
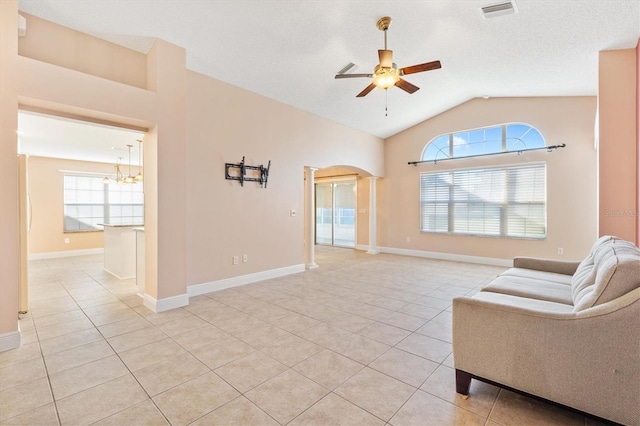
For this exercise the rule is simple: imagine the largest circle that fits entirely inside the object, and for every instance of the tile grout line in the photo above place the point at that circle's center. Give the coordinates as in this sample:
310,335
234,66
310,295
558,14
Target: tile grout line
114,352
319,303
46,369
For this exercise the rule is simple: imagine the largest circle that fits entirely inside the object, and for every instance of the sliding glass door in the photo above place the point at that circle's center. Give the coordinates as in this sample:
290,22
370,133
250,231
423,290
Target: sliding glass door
336,213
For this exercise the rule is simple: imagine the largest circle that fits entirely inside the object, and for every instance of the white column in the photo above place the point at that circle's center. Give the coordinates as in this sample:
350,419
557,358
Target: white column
373,244
310,218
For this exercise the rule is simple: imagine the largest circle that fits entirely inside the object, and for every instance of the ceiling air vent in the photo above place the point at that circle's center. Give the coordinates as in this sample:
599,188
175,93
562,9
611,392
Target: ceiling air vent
498,9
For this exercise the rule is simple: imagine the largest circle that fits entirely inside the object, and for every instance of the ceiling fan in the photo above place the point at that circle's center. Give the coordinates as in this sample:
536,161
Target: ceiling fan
386,74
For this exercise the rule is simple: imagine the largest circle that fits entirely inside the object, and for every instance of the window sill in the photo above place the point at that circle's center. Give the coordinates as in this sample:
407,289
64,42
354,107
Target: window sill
504,237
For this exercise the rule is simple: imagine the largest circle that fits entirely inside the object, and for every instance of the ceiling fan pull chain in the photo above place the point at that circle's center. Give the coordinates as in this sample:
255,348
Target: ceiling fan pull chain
386,101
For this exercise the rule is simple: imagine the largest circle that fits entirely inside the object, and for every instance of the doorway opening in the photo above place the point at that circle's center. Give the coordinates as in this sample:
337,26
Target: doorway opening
68,190
336,212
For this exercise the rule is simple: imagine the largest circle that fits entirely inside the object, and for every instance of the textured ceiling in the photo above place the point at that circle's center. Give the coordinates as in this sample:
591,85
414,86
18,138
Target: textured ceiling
46,136
289,50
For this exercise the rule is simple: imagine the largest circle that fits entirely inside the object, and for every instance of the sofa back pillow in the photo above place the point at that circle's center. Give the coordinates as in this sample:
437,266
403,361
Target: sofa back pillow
617,272
583,279
585,275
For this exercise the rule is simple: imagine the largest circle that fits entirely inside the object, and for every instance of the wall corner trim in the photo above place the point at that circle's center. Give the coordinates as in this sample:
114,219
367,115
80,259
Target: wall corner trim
165,304
198,289
448,256
10,340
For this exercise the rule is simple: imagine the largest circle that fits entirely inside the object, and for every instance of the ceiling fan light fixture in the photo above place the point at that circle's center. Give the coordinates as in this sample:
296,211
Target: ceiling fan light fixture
387,74
385,78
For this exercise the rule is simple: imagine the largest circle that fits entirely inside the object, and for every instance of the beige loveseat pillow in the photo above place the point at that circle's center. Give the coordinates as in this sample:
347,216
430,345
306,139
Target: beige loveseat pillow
611,270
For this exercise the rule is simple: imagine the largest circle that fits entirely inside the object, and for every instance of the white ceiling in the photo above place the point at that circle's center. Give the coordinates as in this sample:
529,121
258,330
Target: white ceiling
55,137
290,50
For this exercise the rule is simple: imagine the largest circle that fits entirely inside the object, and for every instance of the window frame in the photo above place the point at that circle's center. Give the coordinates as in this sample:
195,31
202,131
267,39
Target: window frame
503,218
105,205
503,141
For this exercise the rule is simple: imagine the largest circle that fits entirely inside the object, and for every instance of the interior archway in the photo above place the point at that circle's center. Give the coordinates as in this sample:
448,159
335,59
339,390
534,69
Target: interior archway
354,218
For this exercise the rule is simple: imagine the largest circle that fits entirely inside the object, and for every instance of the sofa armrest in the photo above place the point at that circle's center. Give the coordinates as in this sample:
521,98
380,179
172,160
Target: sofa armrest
588,360
547,265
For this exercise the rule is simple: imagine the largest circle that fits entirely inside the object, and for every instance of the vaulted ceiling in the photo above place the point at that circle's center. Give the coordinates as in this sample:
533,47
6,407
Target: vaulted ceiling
290,50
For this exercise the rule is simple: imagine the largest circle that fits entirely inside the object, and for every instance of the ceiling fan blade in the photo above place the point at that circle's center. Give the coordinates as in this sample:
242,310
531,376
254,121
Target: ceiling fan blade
386,58
406,86
338,76
420,68
366,91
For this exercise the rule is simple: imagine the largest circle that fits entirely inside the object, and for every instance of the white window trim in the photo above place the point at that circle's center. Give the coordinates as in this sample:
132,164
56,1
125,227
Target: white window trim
492,166
503,127
105,205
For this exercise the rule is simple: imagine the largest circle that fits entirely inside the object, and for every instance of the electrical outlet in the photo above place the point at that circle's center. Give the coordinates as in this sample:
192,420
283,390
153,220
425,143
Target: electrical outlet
560,250
245,258
235,260
292,212
66,240
408,239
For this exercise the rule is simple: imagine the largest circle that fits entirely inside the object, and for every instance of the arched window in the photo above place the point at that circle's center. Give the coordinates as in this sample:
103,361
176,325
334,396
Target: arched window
502,200
487,140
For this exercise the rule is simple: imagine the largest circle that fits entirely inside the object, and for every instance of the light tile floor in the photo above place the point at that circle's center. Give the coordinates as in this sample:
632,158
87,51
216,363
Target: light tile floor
362,340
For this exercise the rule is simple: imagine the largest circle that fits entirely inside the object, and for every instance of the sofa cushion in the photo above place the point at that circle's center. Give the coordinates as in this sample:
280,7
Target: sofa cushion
508,301
611,270
532,288
541,275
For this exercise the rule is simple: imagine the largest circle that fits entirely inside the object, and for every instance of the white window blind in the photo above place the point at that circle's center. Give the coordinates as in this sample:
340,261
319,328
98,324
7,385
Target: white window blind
88,201
500,201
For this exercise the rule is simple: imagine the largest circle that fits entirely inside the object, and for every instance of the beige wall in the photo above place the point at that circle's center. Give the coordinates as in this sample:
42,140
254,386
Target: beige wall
362,214
44,85
226,123
165,185
617,146
194,218
55,44
571,177
47,206
9,236
638,137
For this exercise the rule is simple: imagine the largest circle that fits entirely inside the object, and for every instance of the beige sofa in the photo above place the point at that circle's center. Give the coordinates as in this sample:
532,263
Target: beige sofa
568,332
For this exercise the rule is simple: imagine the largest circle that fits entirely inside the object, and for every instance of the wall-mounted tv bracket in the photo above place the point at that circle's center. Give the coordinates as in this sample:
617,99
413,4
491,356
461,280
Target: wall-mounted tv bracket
260,173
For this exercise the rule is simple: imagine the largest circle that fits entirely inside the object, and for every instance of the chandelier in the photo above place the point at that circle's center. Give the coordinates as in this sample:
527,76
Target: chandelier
118,177
139,177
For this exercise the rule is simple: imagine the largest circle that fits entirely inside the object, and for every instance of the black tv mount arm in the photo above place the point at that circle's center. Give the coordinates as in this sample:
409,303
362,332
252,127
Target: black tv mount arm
263,171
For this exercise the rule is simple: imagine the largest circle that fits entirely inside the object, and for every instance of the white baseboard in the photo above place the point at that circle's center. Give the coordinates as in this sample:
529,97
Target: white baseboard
66,253
448,256
198,289
165,304
10,340
441,256
117,276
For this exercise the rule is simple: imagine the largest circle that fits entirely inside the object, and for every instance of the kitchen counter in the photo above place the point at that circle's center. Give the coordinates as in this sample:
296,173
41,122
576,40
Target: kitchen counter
120,250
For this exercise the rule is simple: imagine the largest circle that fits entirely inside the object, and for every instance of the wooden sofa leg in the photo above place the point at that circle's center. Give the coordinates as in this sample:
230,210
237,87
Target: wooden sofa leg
463,382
